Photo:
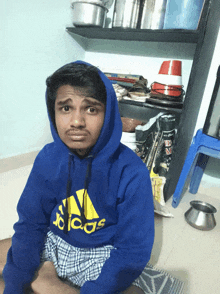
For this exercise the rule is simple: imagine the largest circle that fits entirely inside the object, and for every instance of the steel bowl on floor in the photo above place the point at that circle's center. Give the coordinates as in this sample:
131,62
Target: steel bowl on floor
201,215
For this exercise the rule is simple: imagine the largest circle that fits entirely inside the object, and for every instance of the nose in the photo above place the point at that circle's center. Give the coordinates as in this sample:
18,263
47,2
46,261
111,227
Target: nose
78,120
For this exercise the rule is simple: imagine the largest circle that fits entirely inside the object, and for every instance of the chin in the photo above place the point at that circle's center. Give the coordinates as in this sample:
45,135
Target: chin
82,147
78,146
80,152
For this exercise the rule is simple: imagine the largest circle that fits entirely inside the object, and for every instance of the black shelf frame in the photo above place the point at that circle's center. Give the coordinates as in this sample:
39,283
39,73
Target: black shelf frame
143,110
124,34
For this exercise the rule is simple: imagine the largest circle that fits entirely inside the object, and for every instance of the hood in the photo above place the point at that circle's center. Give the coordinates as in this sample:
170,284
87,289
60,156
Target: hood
106,145
110,135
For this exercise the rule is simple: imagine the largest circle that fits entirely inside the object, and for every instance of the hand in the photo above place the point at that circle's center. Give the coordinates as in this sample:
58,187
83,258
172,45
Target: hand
47,281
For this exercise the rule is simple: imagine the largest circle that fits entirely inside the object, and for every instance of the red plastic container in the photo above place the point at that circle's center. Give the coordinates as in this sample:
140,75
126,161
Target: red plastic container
169,79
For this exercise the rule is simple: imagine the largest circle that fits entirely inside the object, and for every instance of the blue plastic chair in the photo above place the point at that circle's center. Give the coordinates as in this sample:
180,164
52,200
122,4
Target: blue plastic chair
202,147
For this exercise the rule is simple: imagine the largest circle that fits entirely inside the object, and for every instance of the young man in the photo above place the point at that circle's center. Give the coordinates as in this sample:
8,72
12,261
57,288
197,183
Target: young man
86,214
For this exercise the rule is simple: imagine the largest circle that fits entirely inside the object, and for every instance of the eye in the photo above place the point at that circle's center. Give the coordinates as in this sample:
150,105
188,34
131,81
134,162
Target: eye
92,110
65,108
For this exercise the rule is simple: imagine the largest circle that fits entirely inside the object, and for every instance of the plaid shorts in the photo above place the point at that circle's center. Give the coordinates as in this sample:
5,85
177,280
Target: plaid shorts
73,264
78,265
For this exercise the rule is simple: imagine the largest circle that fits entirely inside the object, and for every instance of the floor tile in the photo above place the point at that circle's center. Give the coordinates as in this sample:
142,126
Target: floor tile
195,254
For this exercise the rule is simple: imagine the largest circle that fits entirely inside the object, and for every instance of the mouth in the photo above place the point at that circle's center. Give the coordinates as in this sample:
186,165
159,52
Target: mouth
77,135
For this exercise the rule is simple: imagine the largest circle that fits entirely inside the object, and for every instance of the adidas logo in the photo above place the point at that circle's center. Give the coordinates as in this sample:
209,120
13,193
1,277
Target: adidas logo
74,207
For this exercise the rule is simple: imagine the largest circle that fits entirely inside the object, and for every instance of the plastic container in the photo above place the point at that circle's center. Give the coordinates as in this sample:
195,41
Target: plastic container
169,79
183,14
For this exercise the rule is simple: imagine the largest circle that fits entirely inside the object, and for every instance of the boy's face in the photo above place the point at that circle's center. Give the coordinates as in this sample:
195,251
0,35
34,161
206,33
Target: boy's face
79,119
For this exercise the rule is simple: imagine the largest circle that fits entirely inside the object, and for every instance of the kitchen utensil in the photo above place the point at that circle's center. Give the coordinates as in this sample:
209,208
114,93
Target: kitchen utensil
126,13
153,14
89,13
107,3
201,215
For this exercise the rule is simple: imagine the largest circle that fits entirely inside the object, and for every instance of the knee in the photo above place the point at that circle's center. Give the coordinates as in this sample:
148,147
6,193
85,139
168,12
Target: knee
47,268
44,275
5,244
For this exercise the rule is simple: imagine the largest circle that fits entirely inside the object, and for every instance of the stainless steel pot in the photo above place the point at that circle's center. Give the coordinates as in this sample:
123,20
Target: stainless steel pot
201,215
153,14
89,13
126,13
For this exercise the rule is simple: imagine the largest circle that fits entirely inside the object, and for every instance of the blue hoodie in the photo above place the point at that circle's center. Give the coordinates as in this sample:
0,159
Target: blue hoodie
118,208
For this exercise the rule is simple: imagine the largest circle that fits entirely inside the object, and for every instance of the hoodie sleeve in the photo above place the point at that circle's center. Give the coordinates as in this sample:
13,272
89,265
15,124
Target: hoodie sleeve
133,240
34,209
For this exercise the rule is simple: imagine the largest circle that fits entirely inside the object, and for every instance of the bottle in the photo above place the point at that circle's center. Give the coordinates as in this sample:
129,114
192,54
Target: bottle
167,128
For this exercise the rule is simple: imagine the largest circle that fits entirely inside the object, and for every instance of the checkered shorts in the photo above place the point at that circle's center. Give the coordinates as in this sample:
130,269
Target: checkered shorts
78,265
75,265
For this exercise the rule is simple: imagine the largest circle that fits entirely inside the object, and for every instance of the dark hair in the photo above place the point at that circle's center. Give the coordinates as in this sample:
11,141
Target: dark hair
85,77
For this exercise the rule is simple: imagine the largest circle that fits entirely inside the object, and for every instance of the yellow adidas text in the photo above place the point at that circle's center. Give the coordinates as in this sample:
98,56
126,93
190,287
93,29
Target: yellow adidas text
75,223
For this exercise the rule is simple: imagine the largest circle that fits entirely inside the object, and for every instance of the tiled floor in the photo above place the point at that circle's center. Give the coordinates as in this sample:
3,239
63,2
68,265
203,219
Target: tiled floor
189,254
185,252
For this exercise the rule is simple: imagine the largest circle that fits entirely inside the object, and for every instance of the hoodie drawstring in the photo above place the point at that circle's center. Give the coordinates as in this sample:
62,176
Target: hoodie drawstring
68,190
86,184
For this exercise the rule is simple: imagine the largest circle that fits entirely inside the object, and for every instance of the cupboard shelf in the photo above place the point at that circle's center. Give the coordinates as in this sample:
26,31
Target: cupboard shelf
144,111
203,40
122,34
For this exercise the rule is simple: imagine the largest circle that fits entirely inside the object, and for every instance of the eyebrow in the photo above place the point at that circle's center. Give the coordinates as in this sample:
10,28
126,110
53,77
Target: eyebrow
86,100
95,103
63,102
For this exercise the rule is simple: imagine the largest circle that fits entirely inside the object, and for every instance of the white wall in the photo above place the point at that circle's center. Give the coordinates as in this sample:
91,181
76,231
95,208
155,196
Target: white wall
33,45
